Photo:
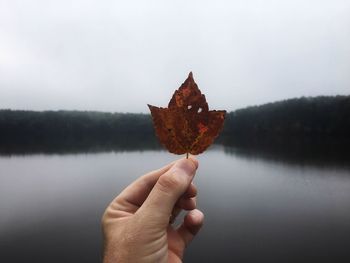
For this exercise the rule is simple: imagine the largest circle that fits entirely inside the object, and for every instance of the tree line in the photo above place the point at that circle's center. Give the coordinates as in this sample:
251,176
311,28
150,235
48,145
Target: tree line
318,116
19,125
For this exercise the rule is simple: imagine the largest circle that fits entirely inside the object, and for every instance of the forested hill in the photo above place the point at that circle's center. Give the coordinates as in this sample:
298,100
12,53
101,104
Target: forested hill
329,116
318,116
15,124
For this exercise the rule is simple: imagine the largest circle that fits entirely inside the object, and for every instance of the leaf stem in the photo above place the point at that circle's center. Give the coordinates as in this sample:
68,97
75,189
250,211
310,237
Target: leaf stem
187,155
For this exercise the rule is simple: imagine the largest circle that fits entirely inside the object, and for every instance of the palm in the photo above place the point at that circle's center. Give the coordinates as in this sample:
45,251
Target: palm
176,245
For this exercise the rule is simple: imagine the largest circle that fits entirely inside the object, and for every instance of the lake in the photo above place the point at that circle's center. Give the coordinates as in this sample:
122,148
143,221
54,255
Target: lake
259,206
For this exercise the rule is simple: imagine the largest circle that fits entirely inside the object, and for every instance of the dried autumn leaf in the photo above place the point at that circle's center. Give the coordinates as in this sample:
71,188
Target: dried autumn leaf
187,125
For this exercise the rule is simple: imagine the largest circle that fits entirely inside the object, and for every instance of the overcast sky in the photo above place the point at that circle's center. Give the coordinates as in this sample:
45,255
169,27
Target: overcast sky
121,55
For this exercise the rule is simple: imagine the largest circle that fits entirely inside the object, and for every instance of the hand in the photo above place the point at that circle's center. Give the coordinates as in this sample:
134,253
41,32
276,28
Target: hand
137,224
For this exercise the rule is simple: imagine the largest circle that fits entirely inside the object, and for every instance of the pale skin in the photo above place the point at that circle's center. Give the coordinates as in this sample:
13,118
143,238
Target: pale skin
137,225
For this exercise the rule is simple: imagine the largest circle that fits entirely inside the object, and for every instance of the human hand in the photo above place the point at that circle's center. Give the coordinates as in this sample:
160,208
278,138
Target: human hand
137,224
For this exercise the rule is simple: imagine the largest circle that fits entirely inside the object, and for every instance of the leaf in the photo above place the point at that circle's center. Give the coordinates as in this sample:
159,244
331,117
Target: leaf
187,125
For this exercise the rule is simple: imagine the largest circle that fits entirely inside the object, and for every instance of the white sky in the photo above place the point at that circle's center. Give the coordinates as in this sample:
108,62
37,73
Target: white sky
120,55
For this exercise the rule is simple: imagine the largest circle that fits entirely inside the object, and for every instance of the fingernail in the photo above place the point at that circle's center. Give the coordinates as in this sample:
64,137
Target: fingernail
194,160
187,165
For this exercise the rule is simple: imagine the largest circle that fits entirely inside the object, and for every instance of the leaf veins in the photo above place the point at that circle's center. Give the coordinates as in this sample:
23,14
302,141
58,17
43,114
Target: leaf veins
187,125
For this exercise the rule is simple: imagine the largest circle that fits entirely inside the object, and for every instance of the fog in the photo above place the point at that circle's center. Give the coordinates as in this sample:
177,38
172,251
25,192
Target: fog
121,55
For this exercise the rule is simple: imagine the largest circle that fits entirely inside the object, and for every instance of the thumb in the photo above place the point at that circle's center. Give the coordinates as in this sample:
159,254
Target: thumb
167,190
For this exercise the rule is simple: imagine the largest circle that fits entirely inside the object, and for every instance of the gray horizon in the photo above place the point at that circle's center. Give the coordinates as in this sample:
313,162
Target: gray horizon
117,56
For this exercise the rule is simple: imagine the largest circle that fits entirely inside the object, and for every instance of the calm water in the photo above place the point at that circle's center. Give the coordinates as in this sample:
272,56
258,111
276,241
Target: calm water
259,208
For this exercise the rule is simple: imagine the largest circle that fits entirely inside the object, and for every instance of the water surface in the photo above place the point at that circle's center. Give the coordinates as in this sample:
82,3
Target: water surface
258,208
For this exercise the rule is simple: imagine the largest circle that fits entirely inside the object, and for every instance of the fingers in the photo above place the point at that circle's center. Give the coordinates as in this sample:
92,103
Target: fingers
186,203
182,204
193,222
191,191
176,211
132,197
169,188
187,200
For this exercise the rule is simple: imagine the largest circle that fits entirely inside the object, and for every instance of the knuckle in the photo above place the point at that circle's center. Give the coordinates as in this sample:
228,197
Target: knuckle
168,182
103,218
106,218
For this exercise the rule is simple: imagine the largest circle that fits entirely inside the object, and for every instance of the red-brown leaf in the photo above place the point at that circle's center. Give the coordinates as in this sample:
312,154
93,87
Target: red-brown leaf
187,125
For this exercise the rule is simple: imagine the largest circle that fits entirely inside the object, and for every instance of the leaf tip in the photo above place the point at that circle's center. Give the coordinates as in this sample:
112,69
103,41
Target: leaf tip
150,107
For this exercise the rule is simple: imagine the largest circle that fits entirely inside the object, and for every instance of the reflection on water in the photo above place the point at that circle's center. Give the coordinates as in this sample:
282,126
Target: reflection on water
299,151
261,205
122,142
320,152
